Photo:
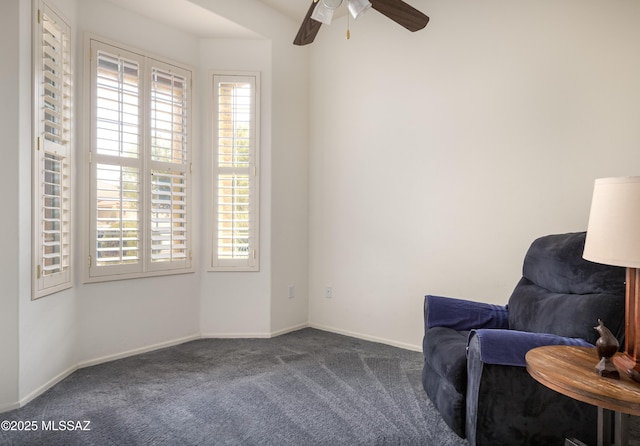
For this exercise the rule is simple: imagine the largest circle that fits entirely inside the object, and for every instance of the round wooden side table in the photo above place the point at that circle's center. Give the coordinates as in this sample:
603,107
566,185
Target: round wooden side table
571,371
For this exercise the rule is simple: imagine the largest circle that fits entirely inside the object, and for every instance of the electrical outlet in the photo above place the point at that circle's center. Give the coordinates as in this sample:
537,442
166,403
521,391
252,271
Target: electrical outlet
328,292
292,291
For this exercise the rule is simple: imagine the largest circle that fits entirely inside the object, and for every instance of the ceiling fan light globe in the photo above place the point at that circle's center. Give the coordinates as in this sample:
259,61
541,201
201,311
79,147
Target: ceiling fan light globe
332,4
358,7
322,14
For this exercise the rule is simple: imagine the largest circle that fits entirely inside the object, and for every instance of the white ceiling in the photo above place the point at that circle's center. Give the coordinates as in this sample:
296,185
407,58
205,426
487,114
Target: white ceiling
297,9
294,9
187,16
190,17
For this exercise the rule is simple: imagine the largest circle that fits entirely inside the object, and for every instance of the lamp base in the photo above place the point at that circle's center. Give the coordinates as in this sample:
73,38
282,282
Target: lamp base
628,364
629,360
625,362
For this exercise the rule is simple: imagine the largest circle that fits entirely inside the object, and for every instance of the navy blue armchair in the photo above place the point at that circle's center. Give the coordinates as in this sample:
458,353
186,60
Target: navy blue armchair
474,370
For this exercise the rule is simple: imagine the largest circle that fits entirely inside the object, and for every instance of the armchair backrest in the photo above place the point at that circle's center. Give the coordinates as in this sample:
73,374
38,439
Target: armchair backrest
563,294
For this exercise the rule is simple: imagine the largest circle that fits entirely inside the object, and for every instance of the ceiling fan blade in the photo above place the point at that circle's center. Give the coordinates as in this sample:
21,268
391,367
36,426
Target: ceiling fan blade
401,13
309,28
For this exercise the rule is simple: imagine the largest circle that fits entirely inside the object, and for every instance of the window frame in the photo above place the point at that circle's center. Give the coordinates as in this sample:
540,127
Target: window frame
52,174
252,262
145,265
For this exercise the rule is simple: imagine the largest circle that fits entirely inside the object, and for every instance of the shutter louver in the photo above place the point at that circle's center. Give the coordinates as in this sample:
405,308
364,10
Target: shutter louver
118,107
168,118
56,73
233,217
234,124
118,216
55,211
235,212
52,170
168,217
118,221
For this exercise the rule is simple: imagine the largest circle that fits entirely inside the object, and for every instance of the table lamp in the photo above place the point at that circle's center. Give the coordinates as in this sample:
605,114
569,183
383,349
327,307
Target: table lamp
613,238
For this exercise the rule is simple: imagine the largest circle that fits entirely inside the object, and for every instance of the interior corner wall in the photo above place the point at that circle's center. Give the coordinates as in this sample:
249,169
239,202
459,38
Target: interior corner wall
236,303
438,156
290,187
123,317
258,303
9,181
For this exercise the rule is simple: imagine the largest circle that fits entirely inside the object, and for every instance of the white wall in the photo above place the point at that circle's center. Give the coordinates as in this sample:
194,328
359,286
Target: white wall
437,157
9,181
290,173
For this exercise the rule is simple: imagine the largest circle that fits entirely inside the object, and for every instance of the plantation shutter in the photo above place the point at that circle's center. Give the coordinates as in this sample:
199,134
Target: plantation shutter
140,165
170,167
52,126
235,221
116,169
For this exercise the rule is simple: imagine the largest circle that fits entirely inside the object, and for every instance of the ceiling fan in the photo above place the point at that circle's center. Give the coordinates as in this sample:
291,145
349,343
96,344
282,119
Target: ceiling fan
321,12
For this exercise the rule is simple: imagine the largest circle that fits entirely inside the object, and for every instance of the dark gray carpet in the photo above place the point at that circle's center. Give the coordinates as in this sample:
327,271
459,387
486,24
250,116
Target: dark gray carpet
304,388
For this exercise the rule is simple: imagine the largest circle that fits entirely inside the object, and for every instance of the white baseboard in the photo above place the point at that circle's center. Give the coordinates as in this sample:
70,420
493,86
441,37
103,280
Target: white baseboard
289,329
46,386
235,335
137,351
267,335
353,334
8,407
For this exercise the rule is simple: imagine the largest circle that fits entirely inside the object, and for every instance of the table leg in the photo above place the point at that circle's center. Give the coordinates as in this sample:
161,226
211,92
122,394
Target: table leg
604,427
621,429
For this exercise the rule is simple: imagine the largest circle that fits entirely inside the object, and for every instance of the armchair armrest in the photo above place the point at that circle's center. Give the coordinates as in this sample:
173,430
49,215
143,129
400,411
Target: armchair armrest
509,347
460,314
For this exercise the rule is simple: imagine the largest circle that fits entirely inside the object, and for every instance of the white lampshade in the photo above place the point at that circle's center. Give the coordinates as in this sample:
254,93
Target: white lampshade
358,7
613,234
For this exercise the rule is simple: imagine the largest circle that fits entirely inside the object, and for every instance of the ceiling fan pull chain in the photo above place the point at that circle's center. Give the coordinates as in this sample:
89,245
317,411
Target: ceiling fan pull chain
348,31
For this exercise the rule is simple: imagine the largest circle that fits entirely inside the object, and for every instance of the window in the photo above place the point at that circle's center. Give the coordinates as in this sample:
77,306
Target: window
140,165
51,200
235,173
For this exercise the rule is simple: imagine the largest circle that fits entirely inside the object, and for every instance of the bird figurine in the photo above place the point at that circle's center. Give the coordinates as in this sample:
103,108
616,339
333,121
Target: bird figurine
607,345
